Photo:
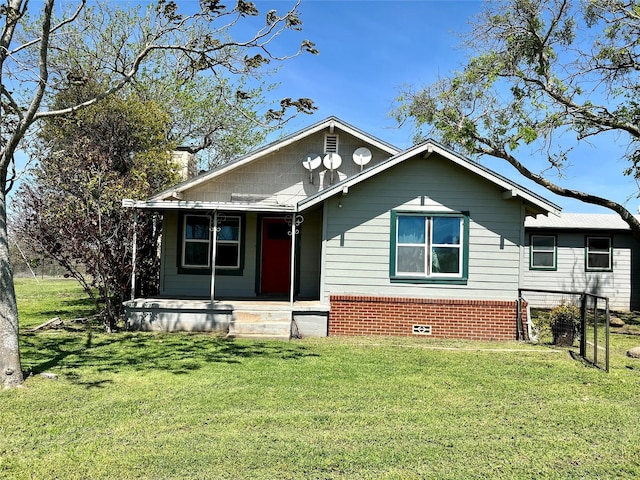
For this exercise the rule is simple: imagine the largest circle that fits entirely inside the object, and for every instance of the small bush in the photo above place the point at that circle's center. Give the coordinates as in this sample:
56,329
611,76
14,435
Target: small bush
565,323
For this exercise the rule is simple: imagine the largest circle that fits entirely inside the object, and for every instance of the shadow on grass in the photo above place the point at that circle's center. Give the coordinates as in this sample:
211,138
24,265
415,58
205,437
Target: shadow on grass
80,307
177,353
76,379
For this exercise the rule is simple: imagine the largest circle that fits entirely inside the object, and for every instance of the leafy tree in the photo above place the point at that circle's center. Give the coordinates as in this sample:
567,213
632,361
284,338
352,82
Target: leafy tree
214,118
71,209
44,53
544,76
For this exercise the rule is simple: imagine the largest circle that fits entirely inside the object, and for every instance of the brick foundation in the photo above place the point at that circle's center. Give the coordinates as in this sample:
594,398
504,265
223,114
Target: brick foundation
396,316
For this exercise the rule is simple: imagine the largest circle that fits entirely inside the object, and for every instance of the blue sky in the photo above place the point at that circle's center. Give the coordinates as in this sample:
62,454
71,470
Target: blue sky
369,49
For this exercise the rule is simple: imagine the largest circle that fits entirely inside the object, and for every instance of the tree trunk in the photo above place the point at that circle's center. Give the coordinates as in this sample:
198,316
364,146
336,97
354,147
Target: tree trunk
10,369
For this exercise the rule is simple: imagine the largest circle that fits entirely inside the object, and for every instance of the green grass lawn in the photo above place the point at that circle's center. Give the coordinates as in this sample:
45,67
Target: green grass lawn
139,405
49,298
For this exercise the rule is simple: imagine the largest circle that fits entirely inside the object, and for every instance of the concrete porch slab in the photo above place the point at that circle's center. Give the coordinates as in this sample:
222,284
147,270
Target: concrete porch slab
236,318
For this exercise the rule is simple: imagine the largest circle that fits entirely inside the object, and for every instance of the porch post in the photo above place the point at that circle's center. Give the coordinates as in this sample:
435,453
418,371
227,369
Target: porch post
214,242
293,258
134,252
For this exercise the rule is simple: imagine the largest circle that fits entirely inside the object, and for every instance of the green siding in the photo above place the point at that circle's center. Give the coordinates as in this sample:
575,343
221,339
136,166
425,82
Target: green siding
357,238
173,284
309,259
571,274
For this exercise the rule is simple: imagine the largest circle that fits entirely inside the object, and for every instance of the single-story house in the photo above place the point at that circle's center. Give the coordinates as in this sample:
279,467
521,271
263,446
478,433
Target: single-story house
330,231
581,252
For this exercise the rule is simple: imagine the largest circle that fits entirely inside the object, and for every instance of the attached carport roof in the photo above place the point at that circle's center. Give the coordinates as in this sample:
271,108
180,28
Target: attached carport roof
161,205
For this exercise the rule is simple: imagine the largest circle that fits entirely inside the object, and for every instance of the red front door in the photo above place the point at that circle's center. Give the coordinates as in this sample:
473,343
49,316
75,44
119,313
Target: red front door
275,256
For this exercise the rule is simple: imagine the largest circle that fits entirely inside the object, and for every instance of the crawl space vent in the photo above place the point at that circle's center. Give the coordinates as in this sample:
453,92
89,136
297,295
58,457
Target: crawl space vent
421,330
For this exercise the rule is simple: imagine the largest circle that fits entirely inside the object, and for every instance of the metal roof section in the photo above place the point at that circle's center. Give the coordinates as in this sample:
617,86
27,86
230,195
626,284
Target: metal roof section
159,205
330,123
511,189
579,221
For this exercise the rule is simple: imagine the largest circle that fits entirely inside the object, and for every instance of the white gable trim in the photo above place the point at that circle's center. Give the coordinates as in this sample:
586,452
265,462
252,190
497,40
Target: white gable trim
426,149
330,122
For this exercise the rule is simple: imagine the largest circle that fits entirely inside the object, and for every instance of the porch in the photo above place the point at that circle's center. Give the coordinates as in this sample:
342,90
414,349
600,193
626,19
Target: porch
252,318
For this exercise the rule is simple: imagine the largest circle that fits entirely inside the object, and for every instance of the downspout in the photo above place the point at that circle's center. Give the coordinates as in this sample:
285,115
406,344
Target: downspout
523,262
134,254
530,322
519,329
214,245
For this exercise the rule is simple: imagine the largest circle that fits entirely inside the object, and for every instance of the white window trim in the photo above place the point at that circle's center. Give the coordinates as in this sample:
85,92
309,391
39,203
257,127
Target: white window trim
185,240
589,252
533,266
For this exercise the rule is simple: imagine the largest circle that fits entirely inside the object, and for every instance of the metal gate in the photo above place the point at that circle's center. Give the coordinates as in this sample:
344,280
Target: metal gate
592,331
594,341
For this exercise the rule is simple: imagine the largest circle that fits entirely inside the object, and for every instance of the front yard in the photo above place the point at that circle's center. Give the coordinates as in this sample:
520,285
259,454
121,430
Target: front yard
137,405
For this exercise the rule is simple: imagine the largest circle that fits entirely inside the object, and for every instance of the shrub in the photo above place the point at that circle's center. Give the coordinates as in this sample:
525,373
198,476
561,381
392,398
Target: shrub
565,323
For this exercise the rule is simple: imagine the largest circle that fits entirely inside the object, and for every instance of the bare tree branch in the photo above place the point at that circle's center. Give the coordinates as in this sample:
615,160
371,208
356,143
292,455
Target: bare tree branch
63,23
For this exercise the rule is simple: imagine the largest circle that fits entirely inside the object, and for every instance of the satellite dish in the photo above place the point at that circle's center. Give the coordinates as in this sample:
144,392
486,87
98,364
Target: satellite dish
362,156
311,162
332,161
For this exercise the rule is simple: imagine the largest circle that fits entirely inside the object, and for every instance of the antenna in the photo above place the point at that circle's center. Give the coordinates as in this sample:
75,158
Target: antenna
311,162
331,162
362,156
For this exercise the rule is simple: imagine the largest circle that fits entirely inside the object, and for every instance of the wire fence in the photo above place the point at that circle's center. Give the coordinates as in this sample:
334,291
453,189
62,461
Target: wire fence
576,320
594,343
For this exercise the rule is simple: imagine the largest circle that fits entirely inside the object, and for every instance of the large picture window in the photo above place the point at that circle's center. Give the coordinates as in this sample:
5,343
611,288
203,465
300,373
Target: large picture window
543,252
598,254
197,238
428,247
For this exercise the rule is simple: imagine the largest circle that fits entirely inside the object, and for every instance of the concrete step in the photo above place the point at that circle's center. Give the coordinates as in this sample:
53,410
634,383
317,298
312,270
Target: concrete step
271,324
256,336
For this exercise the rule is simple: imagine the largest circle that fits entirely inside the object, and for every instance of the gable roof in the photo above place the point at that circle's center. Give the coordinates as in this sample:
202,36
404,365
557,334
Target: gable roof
329,122
511,189
167,199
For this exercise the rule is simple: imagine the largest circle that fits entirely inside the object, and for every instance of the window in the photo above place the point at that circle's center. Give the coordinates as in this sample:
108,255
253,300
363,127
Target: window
197,237
228,244
598,253
542,254
196,242
429,247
